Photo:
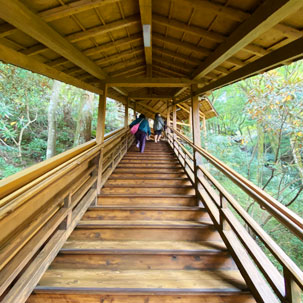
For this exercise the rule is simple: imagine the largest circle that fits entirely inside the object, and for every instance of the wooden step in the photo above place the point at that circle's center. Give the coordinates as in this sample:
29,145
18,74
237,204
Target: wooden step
152,232
147,182
149,165
148,176
184,190
147,200
140,213
124,255
141,281
127,160
46,295
149,170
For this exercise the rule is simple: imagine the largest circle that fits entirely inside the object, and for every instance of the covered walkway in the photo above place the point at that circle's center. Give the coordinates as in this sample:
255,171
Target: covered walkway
84,226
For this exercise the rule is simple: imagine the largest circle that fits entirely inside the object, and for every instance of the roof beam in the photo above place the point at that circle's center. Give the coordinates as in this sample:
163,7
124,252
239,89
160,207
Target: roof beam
291,51
150,82
11,56
20,16
146,21
264,18
113,67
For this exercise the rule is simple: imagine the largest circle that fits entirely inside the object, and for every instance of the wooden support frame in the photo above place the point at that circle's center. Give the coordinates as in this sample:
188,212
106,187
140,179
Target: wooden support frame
264,18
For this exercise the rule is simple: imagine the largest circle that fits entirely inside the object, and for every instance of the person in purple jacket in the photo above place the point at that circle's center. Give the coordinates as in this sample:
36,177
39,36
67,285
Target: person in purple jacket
142,132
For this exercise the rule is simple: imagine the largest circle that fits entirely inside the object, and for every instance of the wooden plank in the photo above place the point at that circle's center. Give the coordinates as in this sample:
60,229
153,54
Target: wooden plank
23,18
145,7
265,17
30,277
189,280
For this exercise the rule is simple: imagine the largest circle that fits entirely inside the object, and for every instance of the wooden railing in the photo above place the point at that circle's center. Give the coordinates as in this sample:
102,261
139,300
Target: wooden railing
263,278
40,207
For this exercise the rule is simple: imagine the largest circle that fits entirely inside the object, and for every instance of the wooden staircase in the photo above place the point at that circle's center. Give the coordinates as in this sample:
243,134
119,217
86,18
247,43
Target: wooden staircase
147,240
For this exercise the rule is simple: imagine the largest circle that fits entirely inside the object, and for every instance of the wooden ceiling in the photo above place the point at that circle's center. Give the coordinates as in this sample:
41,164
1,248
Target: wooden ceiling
207,44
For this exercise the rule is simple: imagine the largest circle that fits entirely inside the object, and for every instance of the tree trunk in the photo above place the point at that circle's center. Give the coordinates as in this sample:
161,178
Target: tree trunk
77,137
87,114
51,137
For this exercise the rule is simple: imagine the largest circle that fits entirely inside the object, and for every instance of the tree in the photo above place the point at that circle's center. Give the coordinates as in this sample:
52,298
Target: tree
52,109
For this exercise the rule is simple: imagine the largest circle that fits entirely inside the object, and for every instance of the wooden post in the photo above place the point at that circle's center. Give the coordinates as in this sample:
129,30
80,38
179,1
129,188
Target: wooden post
126,113
190,119
135,110
196,133
126,122
100,133
101,116
174,124
292,290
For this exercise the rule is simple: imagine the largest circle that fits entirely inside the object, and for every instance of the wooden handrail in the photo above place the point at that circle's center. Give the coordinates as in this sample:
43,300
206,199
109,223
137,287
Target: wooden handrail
284,215
40,200
244,248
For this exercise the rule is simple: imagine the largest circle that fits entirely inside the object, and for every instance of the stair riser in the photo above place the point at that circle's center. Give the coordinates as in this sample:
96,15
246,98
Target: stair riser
149,165
149,170
148,182
156,161
150,201
152,234
138,261
146,176
88,297
181,215
148,191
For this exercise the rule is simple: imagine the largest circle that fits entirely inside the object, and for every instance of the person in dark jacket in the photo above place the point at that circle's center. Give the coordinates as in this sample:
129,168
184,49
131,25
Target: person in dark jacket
158,127
142,132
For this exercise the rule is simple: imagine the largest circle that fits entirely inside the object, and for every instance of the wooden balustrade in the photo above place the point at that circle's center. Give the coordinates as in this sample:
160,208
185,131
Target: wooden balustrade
222,206
41,205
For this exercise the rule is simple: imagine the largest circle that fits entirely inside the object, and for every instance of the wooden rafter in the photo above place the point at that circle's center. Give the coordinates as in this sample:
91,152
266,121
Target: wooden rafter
265,17
292,51
21,17
146,21
60,12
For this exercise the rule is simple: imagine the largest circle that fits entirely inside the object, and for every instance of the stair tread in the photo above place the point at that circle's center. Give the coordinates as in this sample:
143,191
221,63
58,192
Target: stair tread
139,207
143,223
146,195
141,246
131,280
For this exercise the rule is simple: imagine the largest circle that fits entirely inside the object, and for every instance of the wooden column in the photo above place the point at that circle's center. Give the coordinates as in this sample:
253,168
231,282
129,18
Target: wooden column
174,123
168,114
126,113
135,110
100,133
196,133
101,116
190,119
